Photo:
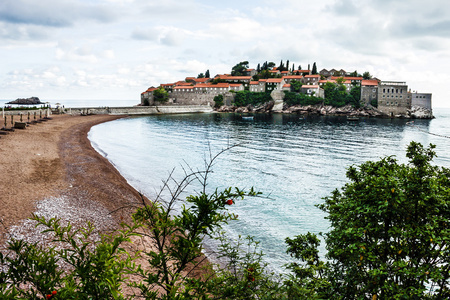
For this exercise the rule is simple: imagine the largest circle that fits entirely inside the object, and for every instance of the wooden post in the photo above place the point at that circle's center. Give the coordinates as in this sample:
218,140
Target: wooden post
5,122
28,115
21,117
12,121
40,114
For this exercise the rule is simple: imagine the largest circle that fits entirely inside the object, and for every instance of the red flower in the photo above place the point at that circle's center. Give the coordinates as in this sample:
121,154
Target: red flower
54,293
229,202
49,296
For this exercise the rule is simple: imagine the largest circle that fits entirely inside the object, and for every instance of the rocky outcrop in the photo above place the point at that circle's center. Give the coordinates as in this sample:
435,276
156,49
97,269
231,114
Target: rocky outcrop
263,108
418,112
26,101
325,110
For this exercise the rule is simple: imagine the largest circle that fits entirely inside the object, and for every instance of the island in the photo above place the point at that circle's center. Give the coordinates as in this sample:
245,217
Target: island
26,101
285,89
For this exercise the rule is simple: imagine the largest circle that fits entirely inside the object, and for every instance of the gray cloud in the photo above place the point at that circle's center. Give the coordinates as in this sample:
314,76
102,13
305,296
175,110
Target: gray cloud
53,13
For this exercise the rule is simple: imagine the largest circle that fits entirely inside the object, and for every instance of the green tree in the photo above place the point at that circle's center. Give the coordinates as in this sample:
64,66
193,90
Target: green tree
355,96
270,65
335,93
207,74
239,69
218,101
160,95
355,74
390,232
201,75
296,86
314,69
366,75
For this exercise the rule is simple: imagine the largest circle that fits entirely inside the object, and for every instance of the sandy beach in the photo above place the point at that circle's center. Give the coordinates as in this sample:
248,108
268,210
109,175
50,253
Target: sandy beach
51,167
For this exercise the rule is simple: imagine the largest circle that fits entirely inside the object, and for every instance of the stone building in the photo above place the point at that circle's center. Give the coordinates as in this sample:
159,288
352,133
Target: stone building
393,98
369,91
421,100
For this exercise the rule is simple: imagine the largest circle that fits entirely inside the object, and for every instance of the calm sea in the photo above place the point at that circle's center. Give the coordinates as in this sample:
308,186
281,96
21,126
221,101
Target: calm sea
294,161
82,103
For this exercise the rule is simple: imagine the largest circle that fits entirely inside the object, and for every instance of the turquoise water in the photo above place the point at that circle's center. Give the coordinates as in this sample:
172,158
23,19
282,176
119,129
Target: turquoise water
295,162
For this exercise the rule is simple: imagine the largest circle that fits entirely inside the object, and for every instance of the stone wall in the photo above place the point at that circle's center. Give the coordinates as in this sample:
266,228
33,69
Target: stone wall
421,100
393,98
142,110
368,93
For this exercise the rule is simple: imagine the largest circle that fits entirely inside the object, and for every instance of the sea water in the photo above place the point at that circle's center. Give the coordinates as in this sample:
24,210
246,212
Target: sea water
293,161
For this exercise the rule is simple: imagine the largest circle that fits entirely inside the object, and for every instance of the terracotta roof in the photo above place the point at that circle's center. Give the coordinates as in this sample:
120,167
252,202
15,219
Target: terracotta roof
276,80
312,76
293,77
236,84
287,85
302,71
151,89
310,87
334,81
227,77
183,87
347,78
369,82
254,82
208,85
249,70
204,79
167,84
182,83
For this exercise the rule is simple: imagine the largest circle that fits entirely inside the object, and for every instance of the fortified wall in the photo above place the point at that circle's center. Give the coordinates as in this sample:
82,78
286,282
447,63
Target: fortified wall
142,110
191,98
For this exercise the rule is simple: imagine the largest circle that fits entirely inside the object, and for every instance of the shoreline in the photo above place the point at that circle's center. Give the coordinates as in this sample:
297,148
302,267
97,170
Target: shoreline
54,163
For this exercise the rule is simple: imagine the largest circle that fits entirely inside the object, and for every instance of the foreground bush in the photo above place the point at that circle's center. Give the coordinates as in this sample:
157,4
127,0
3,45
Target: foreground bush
389,239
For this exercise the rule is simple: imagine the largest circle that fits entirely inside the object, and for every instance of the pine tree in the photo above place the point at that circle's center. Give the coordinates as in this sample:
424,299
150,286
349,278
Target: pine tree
258,69
207,74
287,65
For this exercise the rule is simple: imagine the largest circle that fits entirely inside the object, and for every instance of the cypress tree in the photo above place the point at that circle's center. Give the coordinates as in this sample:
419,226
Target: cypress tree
314,69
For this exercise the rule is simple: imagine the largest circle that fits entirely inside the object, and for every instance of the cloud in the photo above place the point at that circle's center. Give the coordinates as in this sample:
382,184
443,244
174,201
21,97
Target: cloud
20,32
53,13
149,34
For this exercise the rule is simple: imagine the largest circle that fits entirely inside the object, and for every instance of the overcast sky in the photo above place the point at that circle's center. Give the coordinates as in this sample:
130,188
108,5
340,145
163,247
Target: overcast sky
116,49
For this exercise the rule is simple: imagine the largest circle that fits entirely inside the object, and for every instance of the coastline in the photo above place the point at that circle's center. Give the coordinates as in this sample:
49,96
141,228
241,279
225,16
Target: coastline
51,167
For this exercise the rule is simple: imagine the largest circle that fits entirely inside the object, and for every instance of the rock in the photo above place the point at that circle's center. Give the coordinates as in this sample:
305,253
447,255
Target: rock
26,101
418,112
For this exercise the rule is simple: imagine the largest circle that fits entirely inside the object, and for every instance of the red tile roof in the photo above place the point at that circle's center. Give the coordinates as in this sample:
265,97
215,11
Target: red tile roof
183,87
310,87
293,77
276,80
312,76
254,82
182,83
347,78
369,82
